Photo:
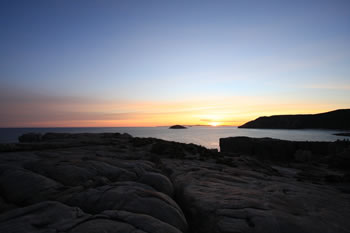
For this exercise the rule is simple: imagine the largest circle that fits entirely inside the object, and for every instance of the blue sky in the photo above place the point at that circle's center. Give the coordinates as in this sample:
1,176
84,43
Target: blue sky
164,52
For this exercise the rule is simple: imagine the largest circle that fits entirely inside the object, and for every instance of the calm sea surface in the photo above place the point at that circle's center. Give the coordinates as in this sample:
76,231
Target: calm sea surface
202,135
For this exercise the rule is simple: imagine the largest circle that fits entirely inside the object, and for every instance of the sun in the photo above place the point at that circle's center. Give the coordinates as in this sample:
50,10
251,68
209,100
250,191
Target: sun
214,123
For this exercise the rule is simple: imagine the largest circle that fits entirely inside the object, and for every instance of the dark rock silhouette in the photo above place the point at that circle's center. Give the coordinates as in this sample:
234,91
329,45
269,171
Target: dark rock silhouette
113,182
336,153
177,127
342,134
338,119
30,137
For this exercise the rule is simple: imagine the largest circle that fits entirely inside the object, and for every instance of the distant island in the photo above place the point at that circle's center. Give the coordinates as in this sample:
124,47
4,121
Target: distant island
177,127
338,119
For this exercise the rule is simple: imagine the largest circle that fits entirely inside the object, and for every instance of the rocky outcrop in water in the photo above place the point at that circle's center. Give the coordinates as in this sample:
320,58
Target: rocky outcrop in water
118,183
338,119
177,127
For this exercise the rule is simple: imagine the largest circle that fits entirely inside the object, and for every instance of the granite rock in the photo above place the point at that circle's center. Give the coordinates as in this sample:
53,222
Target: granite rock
116,183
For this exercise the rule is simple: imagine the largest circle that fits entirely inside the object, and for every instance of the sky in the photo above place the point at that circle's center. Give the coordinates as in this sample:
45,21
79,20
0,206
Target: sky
149,63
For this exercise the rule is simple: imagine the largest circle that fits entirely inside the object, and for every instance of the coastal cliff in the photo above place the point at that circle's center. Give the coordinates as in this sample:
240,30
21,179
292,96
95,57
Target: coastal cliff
338,119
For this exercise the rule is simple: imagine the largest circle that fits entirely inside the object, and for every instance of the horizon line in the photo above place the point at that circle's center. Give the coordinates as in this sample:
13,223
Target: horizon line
43,127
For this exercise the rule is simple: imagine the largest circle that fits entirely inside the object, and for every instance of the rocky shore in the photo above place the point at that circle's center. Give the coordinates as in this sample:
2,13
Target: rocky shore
110,182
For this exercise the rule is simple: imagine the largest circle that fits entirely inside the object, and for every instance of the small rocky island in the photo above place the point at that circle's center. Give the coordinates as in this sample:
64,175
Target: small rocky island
338,119
177,127
111,182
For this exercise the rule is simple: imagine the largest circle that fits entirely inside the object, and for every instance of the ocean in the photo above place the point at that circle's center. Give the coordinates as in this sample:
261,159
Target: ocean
207,136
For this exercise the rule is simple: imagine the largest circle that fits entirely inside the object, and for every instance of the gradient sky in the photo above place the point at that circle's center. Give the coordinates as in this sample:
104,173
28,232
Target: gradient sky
149,63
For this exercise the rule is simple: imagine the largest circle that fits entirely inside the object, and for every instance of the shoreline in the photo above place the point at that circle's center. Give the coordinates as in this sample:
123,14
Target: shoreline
205,136
155,185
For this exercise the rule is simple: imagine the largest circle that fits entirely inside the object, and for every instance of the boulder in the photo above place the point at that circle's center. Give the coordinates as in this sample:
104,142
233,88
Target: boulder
133,197
159,182
30,137
263,148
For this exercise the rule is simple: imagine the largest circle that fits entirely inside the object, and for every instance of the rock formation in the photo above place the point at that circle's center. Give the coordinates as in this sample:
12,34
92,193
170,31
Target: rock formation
117,183
342,134
338,119
283,150
177,127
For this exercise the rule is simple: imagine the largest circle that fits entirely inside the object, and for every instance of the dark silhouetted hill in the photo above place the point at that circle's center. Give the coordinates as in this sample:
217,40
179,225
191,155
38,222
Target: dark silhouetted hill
338,119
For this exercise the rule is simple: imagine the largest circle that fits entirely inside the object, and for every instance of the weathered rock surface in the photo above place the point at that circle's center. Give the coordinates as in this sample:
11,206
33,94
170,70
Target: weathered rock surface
51,216
117,183
220,198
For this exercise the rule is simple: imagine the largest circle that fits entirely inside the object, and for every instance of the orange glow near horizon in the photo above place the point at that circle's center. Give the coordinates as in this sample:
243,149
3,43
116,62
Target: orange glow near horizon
215,124
233,111
122,64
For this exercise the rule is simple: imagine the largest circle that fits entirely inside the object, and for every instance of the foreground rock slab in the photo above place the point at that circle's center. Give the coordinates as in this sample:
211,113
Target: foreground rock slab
51,216
117,183
220,198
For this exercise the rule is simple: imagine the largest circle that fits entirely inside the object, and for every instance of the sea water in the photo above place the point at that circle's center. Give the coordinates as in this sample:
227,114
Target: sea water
207,136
